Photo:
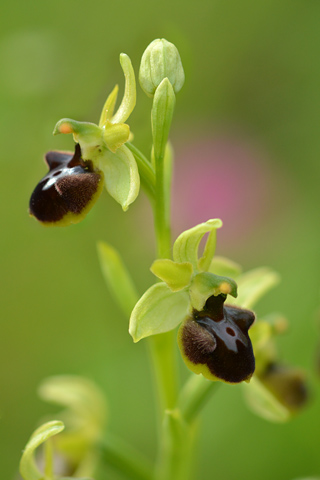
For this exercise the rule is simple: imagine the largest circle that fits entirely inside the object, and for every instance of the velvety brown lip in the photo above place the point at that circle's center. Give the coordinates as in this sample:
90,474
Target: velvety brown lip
69,187
218,337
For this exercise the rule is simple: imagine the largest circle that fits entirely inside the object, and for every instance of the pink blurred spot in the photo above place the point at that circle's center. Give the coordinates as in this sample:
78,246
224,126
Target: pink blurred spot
221,178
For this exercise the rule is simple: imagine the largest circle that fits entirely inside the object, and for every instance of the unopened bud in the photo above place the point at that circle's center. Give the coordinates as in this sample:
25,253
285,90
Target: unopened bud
160,60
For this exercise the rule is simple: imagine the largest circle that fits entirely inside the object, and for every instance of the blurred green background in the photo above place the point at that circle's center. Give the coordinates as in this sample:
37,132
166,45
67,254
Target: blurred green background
247,117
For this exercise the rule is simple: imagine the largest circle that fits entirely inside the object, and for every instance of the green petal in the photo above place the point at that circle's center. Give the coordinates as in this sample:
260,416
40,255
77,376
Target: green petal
158,310
28,468
206,284
108,107
117,277
176,275
129,98
121,175
209,249
185,248
225,267
115,135
88,135
253,285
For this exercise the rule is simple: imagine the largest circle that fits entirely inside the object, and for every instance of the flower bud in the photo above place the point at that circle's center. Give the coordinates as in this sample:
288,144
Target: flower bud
160,60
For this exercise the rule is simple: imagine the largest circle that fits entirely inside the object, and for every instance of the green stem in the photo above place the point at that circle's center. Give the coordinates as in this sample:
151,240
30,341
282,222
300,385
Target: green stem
146,170
195,393
125,459
176,448
163,345
162,211
162,351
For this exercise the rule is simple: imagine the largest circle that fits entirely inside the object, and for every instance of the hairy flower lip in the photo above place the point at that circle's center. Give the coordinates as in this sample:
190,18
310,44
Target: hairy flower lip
215,341
68,191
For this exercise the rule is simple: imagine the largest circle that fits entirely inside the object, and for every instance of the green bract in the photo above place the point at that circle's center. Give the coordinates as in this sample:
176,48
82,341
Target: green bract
184,284
161,116
104,145
160,60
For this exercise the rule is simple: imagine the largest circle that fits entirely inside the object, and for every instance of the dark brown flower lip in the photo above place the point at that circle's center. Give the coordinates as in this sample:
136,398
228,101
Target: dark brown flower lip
217,337
227,322
68,191
287,383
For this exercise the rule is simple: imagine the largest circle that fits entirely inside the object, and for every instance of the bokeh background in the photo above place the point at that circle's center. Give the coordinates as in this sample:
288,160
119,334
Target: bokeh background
246,137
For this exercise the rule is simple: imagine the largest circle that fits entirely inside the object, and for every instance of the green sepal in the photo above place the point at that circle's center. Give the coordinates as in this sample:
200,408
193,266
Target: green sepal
176,275
185,248
225,267
161,116
84,416
89,132
263,403
84,400
129,98
121,175
261,333
205,284
108,107
253,285
159,310
88,135
28,468
117,277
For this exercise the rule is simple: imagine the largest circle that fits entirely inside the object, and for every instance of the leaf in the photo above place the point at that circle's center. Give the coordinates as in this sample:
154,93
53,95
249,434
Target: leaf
121,175
28,468
225,267
185,248
117,278
158,310
205,284
176,275
253,285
